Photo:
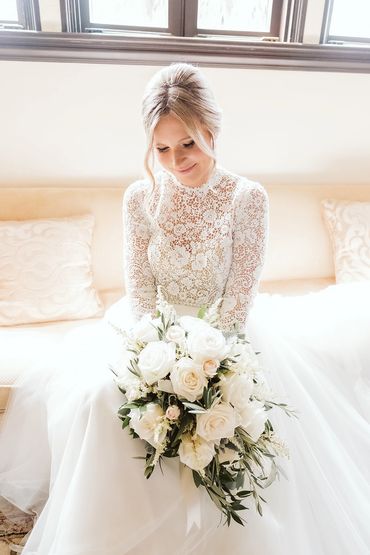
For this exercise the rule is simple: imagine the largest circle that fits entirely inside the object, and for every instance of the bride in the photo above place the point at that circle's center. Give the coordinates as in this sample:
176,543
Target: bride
200,233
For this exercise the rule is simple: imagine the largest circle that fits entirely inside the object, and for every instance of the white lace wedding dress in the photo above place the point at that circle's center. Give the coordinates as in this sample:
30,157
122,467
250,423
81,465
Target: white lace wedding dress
62,448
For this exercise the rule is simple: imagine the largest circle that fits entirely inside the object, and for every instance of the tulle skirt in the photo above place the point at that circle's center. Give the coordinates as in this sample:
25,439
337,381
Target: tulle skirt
64,455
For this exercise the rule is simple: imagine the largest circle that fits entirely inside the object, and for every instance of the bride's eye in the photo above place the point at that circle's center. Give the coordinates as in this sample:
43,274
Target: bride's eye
186,145
163,149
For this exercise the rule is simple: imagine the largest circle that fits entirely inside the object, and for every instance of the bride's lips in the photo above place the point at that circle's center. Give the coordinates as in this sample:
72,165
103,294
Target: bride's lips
187,170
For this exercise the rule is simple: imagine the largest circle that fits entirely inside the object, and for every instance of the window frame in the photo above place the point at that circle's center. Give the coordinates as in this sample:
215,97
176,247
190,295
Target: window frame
182,21
28,17
327,38
205,51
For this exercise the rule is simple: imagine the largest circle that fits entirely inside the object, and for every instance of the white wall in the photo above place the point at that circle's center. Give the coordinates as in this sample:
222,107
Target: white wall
79,124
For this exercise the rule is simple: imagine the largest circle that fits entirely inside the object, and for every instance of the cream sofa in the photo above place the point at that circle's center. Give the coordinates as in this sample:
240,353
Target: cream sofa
299,256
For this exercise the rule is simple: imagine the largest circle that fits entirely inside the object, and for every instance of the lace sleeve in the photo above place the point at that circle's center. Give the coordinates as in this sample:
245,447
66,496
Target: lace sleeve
249,246
139,280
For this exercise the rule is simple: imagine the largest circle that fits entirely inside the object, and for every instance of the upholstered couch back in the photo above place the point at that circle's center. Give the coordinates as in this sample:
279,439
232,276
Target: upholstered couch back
299,246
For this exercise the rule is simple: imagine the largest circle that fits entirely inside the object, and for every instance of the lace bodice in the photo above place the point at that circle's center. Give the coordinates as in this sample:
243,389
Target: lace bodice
198,244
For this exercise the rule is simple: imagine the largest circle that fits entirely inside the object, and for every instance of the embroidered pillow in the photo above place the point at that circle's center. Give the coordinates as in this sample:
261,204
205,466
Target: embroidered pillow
348,223
45,270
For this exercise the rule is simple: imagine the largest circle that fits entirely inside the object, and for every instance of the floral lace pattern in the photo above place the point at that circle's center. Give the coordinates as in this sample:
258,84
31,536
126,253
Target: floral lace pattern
198,244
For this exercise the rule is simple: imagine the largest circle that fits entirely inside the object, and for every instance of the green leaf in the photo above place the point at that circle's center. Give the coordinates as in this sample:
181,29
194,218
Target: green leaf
201,312
237,518
194,408
197,479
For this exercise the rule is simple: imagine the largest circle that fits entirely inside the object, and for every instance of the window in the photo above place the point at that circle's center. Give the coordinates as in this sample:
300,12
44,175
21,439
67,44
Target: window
346,22
232,18
20,14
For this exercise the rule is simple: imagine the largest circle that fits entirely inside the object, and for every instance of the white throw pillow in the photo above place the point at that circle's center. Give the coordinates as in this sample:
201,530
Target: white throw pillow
348,223
45,270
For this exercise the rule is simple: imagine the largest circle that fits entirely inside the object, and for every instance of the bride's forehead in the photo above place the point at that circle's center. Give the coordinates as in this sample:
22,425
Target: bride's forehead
170,126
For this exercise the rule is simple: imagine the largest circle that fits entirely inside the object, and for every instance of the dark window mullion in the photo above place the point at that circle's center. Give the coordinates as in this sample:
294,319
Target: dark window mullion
295,21
277,7
28,15
176,17
190,18
328,10
71,15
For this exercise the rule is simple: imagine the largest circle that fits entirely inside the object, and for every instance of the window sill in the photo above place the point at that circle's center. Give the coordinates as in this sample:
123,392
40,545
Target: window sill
211,52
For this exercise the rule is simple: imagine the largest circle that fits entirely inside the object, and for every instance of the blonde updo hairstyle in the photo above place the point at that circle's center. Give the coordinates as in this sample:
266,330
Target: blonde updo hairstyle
180,89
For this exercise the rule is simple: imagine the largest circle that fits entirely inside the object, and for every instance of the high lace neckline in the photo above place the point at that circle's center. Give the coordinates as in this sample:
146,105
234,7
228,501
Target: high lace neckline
209,184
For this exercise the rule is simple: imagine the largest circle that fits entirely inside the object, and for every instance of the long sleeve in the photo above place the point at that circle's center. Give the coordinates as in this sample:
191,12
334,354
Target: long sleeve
139,280
250,234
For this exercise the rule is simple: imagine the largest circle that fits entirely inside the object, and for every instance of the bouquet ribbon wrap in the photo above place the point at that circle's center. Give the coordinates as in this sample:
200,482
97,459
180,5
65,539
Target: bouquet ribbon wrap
192,499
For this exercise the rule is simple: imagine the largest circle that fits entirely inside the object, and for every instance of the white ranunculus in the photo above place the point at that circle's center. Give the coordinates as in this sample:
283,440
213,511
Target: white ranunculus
188,379
156,360
176,334
149,424
195,452
246,358
236,389
252,418
206,343
145,329
217,423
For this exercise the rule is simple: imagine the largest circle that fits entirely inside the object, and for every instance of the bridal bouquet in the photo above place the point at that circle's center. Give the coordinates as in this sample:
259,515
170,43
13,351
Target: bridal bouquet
191,392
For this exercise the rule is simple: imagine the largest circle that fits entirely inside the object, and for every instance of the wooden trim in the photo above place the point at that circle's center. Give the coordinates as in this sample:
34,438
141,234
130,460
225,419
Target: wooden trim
297,17
86,48
277,10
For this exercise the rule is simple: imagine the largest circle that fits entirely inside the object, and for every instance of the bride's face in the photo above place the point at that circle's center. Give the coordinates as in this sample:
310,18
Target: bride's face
177,152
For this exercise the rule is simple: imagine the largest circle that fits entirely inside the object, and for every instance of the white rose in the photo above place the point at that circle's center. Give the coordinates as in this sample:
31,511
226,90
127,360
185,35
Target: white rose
246,358
236,389
156,360
145,329
190,323
195,452
131,384
149,424
176,334
217,423
188,379
172,412
206,343
210,367
252,418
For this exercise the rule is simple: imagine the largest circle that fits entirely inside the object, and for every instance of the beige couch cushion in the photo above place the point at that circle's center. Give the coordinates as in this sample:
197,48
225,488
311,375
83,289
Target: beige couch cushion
348,223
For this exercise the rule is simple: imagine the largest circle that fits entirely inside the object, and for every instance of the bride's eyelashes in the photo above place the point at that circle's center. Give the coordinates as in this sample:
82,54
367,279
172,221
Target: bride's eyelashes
186,145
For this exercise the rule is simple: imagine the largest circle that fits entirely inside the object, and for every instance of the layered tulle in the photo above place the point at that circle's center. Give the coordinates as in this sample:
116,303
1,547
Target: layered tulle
64,454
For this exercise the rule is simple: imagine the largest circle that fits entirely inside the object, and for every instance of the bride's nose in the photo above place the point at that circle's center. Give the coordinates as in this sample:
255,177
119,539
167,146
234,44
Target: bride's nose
178,158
